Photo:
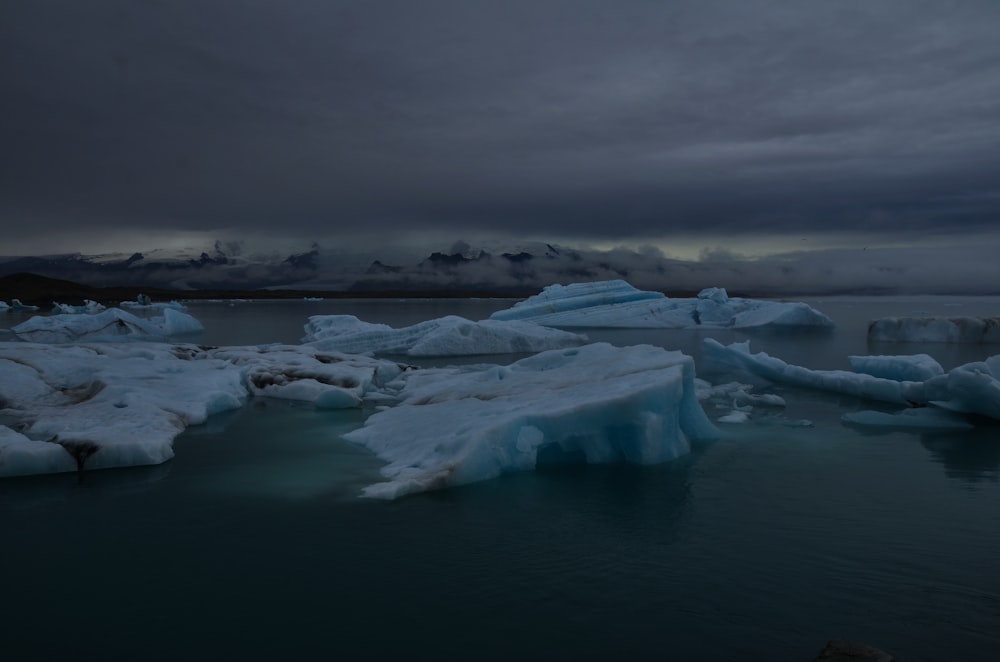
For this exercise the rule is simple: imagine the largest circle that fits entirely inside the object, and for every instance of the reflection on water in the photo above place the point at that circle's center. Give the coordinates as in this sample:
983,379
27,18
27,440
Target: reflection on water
971,456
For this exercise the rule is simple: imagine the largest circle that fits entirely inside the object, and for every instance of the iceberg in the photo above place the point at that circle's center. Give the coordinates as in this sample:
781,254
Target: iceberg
912,368
973,388
974,330
88,308
616,304
69,407
445,336
110,325
104,406
144,303
595,403
4,306
737,357
328,380
15,304
922,418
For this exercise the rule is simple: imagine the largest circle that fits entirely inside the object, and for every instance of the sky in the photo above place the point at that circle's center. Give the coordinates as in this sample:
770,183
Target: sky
708,128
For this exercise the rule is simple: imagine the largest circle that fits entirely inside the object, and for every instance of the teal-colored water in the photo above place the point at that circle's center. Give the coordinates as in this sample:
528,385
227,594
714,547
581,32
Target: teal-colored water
252,543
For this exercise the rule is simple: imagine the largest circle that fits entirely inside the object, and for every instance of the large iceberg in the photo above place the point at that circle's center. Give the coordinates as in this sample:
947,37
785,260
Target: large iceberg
110,325
596,403
617,304
935,329
445,336
116,405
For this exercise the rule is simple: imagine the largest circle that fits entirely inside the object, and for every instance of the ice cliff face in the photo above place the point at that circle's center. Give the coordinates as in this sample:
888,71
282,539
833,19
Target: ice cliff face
597,404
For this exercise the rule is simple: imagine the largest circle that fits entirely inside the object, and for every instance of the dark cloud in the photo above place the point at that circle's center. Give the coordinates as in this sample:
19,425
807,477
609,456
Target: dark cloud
619,120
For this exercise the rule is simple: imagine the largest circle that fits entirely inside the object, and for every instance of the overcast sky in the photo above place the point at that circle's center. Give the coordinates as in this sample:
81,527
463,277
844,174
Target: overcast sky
749,126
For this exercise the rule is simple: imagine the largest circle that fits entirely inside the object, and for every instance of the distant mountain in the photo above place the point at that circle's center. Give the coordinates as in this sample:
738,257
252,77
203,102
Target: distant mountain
175,270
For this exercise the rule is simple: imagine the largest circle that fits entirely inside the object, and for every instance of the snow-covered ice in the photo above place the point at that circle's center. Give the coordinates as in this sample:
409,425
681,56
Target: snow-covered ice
617,304
974,330
125,402
110,325
595,403
445,336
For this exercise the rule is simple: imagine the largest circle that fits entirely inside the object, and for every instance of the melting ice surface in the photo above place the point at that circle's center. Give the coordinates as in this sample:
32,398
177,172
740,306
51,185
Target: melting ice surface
973,388
598,403
125,403
616,304
445,336
111,324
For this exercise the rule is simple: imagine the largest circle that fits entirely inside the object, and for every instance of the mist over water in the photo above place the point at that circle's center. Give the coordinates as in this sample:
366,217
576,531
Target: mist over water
253,544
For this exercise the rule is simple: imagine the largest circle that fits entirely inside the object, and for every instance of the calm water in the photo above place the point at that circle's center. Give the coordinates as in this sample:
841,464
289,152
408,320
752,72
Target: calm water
251,543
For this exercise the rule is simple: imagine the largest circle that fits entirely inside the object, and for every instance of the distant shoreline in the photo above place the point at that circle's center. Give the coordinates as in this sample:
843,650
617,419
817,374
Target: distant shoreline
33,289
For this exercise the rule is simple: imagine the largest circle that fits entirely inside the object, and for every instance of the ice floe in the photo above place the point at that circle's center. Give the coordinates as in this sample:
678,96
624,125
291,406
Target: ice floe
15,304
110,325
445,336
911,367
595,403
973,388
617,304
121,404
973,330
88,308
924,418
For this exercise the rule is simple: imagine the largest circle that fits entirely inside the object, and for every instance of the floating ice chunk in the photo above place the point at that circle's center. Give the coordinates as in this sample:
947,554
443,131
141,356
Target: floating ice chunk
597,403
445,336
88,308
735,416
972,388
926,418
909,368
327,379
4,306
618,304
737,357
15,304
112,324
145,304
123,403
935,329
110,405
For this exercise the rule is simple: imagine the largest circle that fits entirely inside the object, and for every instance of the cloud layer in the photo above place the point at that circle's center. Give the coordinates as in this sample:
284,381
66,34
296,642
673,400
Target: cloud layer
563,120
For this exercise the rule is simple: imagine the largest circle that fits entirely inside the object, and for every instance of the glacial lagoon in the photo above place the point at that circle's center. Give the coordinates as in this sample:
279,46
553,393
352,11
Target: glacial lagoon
791,529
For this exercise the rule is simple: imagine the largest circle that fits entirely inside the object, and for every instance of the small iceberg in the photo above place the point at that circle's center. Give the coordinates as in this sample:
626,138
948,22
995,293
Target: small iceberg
15,304
445,336
113,324
88,308
973,388
616,304
973,330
